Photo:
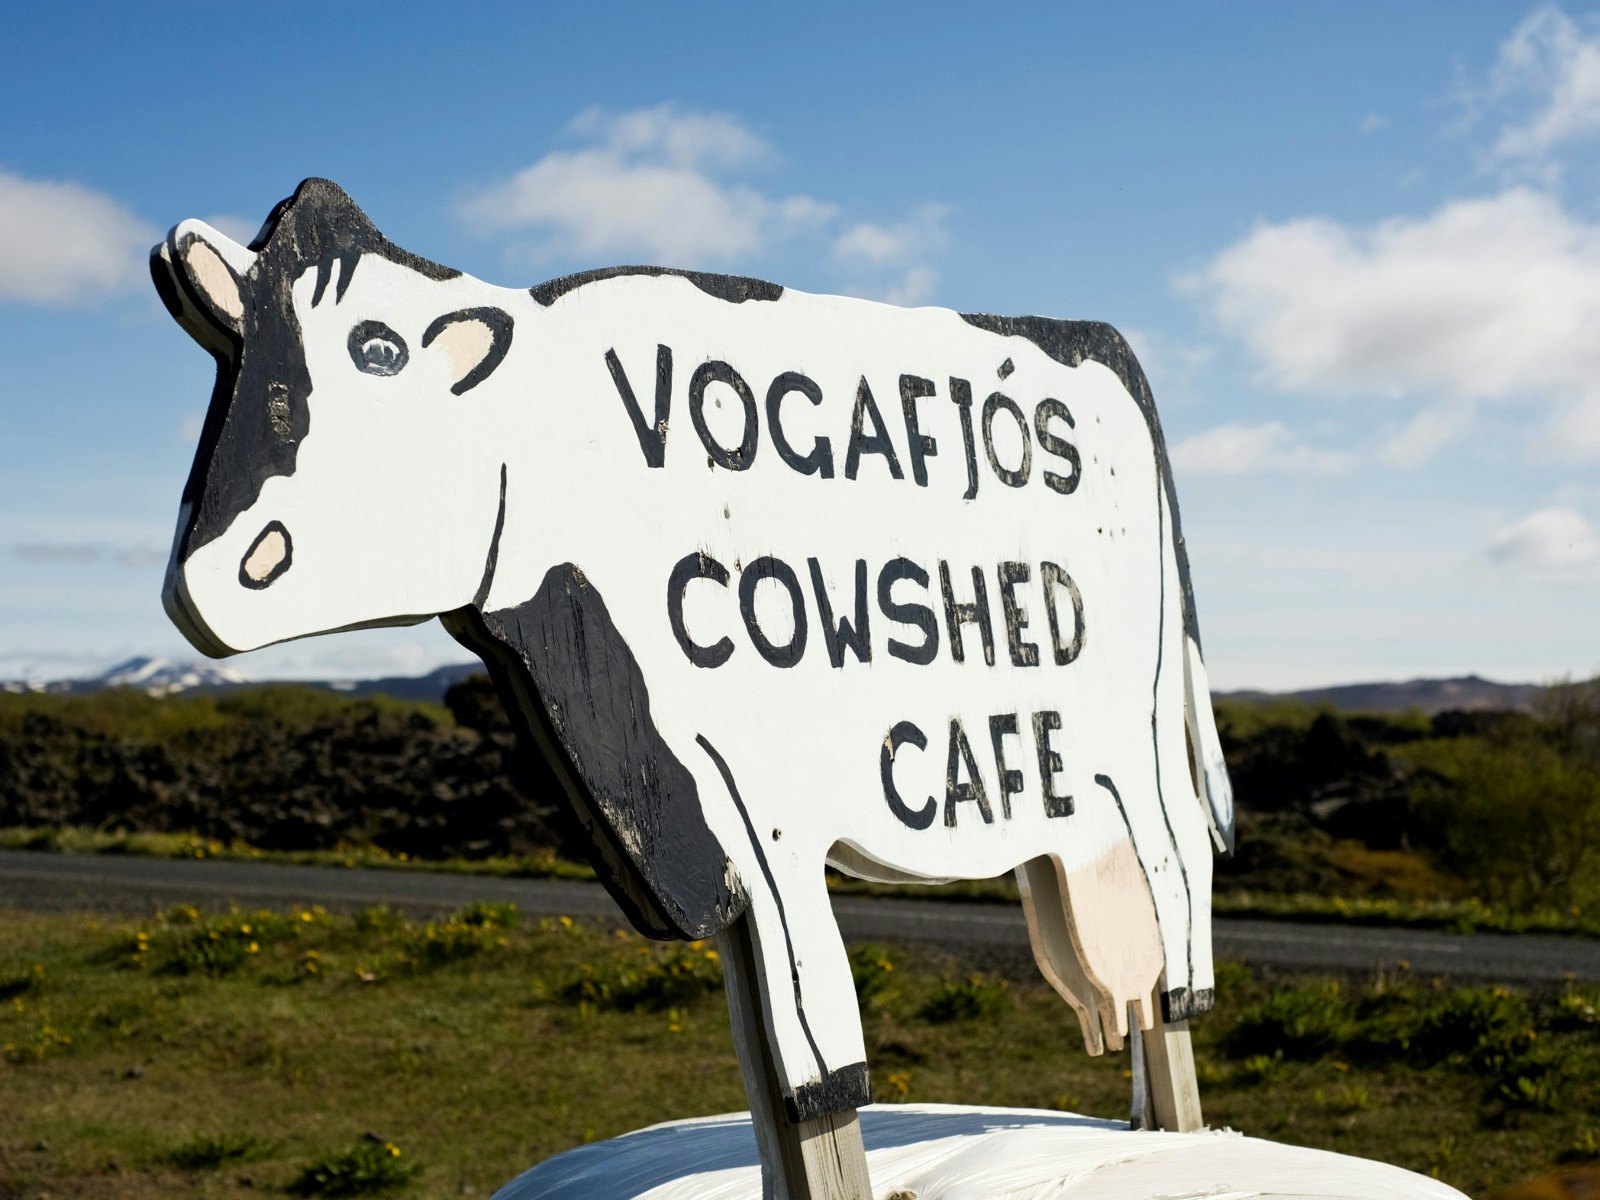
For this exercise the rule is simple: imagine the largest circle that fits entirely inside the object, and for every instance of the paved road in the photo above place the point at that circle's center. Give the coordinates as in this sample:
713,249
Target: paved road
136,885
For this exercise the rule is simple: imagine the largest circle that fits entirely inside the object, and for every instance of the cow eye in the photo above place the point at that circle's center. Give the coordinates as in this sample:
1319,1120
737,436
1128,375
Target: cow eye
377,349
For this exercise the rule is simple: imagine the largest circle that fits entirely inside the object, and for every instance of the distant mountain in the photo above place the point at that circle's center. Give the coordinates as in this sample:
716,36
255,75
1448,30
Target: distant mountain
162,677
157,676
1468,693
165,677
431,686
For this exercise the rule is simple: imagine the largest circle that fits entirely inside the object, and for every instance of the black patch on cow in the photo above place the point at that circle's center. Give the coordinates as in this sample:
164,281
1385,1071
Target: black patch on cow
837,1091
1182,1003
499,325
259,409
735,289
570,680
1071,343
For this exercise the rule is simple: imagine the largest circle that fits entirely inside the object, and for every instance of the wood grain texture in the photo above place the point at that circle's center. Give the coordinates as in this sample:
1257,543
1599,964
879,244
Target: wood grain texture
1044,905
1114,932
819,1159
1169,1063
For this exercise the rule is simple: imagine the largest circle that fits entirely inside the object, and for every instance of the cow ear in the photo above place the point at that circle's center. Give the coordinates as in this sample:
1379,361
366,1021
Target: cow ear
210,268
474,341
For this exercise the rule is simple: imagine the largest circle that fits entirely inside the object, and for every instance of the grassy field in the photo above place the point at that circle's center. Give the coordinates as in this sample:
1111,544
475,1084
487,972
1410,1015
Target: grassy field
303,1053
1469,915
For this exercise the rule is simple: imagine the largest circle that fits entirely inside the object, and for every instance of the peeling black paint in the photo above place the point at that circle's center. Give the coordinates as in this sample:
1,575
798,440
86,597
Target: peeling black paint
735,289
565,670
837,1091
1182,1003
1073,342
259,410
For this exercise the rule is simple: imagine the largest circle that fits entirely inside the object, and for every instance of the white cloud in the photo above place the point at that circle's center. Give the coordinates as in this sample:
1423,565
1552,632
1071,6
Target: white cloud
1270,447
688,139
62,243
1415,441
1374,123
1490,299
83,553
1549,68
1173,365
665,184
1553,540
890,262
649,186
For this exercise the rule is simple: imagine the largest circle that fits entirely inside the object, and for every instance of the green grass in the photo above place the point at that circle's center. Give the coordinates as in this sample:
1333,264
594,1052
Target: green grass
70,840
332,1055
1455,916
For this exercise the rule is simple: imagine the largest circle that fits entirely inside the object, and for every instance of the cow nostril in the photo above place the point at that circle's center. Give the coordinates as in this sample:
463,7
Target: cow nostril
268,557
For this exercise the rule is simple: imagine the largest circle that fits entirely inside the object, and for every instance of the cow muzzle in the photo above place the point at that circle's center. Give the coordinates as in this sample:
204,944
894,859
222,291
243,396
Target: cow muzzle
269,556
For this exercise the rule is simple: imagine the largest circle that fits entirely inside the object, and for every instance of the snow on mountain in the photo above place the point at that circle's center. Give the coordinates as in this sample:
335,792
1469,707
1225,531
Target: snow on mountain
170,677
162,676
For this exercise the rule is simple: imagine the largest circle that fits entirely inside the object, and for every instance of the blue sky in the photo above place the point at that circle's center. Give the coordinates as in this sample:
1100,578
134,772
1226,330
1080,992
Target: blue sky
1356,246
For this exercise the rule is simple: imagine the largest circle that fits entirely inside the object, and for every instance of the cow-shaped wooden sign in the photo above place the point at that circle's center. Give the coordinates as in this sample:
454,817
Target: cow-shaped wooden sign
776,581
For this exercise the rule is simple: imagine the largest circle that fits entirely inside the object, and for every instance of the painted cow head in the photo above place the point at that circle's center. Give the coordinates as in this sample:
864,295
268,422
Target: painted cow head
344,477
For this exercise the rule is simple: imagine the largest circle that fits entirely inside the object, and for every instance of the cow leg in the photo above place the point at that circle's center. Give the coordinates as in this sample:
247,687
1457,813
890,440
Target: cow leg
1044,903
806,994
808,999
805,1160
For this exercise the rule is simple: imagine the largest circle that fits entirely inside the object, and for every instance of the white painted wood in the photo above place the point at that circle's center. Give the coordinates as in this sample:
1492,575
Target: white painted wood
649,501
942,1152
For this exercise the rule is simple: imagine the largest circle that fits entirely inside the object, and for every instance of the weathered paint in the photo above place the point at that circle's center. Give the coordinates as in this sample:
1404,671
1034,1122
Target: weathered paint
773,579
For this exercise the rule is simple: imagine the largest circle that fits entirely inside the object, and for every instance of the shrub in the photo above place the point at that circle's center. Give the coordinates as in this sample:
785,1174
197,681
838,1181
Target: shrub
1259,1068
38,1045
377,918
489,914
872,971
965,1000
440,943
1304,1023
1576,1008
654,978
1517,811
187,943
1535,1080
20,983
369,1166
206,1152
1584,1147
1473,1021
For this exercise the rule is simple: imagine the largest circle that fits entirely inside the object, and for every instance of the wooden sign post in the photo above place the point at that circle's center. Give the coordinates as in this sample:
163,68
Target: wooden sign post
774,580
